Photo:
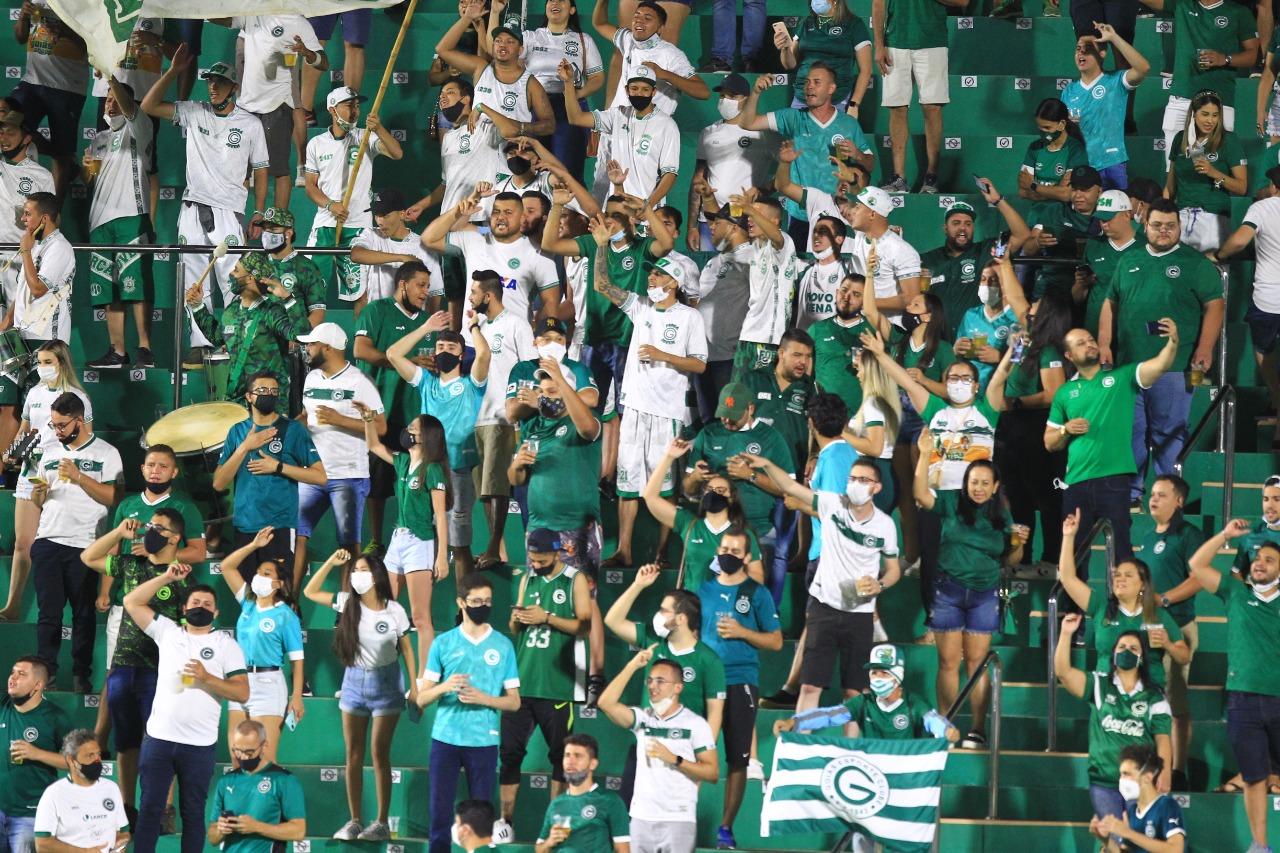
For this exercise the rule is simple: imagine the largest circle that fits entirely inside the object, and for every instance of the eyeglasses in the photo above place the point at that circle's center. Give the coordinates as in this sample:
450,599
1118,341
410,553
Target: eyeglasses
62,426
478,602
1164,226
866,481
157,527
247,753
657,682
965,380
267,392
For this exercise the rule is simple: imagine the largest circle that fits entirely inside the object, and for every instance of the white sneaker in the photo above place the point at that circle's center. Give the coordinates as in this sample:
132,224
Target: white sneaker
755,771
502,832
376,831
350,831
300,180
911,569
878,634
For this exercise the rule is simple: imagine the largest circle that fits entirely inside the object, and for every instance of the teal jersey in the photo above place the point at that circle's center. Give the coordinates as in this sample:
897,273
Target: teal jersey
997,330
596,820
273,796
268,637
814,140
456,405
269,500
1161,820
491,665
747,603
44,727
1099,108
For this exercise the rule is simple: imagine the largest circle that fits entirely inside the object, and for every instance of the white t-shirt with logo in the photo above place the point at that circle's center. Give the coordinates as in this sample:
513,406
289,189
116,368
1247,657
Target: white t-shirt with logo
656,387
380,279
737,159
81,815
344,455
898,260
510,99
122,187
189,714
221,152
654,49
544,49
648,147
266,81
379,632
47,317
70,516
510,341
37,410
851,549
663,793
331,159
525,271
17,181
725,286
773,281
468,157
818,285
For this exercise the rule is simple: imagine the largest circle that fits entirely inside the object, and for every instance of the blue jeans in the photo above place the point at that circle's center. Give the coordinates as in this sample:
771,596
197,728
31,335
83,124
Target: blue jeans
1253,729
785,524
130,692
1106,801
1115,177
1102,497
607,362
17,834
1160,422
447,761
158,763
346,495
724,18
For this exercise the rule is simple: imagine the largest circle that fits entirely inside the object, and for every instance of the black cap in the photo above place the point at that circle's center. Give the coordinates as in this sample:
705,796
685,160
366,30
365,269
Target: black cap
550,324
733,84
542,541
1085,177
387,201
723,213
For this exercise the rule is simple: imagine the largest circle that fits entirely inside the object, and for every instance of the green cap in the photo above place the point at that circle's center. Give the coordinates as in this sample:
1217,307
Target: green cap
511,29
960,207
258,265
887,657
221,69
280,216
734,400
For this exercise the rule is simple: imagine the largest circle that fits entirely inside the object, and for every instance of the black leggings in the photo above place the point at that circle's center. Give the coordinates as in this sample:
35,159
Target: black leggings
1027,472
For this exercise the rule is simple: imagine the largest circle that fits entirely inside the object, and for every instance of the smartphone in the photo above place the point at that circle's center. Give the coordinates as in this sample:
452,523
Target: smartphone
39,232
227,813
779,27
982,184
291,721
1153,328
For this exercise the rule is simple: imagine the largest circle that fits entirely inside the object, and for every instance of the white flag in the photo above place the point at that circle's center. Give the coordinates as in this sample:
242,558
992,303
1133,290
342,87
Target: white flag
105,25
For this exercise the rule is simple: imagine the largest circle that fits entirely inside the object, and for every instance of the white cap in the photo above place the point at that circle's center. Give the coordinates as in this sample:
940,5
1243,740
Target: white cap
340,94
643,74
876,199
330,334
1112,202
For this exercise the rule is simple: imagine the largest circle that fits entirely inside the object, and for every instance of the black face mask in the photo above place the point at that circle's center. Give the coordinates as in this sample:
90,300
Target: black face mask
153,541
249,765
266,403
910,321
519,165
640,102
713,502
551,407
198,617
156,488
409,307
447,362
452,113
483,307
729,564
11,154
71,439
543,571
479,615
407,440
91,771
19,701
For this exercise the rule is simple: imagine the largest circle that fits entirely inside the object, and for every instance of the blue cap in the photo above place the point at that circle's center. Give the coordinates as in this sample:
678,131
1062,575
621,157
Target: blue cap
542,541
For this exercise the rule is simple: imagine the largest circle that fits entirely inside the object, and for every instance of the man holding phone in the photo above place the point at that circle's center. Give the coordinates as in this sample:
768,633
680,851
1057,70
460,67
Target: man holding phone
257,804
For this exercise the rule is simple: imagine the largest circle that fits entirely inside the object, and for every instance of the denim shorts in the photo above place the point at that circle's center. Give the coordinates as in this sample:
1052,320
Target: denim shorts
408,553
1264,327
1253,729
1106,801
958,608
375,692
356,24
346,495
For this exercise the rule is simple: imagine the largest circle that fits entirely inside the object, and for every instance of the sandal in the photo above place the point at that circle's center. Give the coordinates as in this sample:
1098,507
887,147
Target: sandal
1229,787
615,562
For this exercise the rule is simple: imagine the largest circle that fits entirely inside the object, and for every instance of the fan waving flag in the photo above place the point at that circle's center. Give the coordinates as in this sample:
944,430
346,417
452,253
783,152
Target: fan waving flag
105,25
887,789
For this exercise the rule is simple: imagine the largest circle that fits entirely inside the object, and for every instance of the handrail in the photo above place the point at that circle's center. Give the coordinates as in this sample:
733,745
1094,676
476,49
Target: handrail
1224,405
991,661
1102,526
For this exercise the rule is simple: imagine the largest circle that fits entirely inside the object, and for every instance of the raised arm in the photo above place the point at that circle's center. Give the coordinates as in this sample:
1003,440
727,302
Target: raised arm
314,590
1078,590
136,601
1153,368
447,47
920,490
1201,562
600,20
101,549
1074,680
751,119
917,393
1138,64
611,699
398,353
662,509
616,620
153,103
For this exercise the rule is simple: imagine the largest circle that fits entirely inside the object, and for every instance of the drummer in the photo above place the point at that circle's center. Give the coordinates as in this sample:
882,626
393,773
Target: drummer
298,273
57,374
266,456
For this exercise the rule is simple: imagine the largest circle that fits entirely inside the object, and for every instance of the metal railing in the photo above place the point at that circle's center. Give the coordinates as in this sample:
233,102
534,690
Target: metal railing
1083,548
990,662
1223,405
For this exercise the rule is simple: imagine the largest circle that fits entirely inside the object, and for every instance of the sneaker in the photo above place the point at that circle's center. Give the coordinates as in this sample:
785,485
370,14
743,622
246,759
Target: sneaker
109,361
82,685
716,66
307,689
300,179
724,839
1255,847
896,184
974,740
145,358
930,185
169,821
783,700
310,116
755,770
350,831
912,569
376,831
502,832
878,634
374,548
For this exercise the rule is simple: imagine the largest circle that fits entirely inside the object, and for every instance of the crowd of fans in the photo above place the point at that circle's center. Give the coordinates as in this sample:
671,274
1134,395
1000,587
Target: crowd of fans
795,386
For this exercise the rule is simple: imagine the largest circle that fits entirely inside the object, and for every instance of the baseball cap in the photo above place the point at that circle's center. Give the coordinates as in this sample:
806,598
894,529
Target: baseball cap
666,266
542,541
734,400
888,658
341,94
876,199
1110,203
733,84
221,69
723,213
13,118
1085,177
387,201
257,264
280,216
330,334
550,324
510,29
960,207
643,74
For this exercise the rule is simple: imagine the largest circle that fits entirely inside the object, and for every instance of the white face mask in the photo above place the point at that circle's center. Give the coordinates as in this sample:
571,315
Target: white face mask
660,626
554,351
662,706
992,297
263,586
1128,789
115,122
823,254
455,834
1266,588
959,392
858,493
272,241
48,373
361,582
657,294
729,109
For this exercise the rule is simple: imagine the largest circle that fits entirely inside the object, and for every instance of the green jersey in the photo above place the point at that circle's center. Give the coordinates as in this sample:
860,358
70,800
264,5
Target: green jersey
44,727
954,279
257,337
133,646
302,278
1024,379
383,322
1167,555
715,445
415,511
1206,26
1108,628
273,796
701,670
1072,228
700,543
1192,189
1247,545
552,664
783,410
834,342
1118,719
901,720
140,507
1102,256
558,499
971,553
909,355
915,24
1106,401
1048,167
596,819
834,41
605,321
523,371
1178,284
1253,630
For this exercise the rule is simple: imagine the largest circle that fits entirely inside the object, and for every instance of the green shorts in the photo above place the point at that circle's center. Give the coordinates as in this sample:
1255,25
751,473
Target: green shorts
350,282
121,276
751,357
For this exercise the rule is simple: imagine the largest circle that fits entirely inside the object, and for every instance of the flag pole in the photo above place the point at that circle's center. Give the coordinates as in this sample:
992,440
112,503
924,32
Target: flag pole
377,104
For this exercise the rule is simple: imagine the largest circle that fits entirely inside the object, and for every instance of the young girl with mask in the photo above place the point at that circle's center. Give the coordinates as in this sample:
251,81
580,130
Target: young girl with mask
372,634
1125,709
270,634
1152,820
984,330
1046,171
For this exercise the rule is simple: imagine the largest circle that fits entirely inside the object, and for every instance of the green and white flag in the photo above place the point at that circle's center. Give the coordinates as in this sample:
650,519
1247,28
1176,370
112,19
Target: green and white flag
887,789
105,25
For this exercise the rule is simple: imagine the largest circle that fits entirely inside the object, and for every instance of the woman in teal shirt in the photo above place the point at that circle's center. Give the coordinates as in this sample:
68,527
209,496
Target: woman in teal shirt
1207,166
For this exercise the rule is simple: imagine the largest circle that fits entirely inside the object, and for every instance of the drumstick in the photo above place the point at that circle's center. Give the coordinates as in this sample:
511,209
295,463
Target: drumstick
219,252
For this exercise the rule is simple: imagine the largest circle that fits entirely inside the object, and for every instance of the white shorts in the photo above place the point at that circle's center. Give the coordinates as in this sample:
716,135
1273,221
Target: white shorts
1203,231
642,442
1175,121
464,501
226,225
268,695
927,67
114,617
407,553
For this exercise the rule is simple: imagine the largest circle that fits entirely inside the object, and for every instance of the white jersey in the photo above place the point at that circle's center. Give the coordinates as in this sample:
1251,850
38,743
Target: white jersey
505,183
737,159
380,279
655,387
818,285
510,99
510,340
267,81
56,57
871,414
69,516
344,455
84,816
221,152
48,317
662,793
726,286
331,160
1264,217
851,549
653,49
379,632
37,408
818,203
525,271
773,283
17,181
122,187
575,270
142,64
897,261
467,158
189,714
544,49
648,147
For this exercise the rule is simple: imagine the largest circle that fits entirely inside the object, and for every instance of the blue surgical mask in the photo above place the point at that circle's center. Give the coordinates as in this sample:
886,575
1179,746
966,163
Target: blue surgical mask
618,237
821,7
882,687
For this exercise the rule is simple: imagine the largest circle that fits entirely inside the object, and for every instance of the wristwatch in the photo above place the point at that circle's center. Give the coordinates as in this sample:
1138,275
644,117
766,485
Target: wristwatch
679,760
279,466
1164,600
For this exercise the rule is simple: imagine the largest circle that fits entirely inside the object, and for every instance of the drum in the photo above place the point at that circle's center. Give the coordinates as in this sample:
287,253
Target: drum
196,433
16,355
217,372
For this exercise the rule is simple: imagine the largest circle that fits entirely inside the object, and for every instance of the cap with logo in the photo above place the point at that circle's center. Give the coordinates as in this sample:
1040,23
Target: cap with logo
887,657
1110,203
280,216
387,201
542,541
876,199
221,69
958,208
510,28
734,400
330,334
668,267
643,74
550,324
342,94
733,84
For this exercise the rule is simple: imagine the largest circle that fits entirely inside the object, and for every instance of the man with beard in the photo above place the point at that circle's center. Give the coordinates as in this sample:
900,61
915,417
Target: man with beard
1092,419
585,818
835,339
381,250
469,153
1115,216
519,176
34,762
816,293
890,263
535,207
298,273
955,266
20,176
550,340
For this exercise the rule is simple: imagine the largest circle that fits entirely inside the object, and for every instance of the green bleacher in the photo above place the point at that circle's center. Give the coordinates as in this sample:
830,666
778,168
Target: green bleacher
1001,70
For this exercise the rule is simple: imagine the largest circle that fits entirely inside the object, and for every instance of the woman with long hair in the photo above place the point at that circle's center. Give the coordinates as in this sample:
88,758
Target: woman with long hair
718,510
834,35
1132,604
1046,171
1207,165
270,634
57,375
419,547
372,635
873,430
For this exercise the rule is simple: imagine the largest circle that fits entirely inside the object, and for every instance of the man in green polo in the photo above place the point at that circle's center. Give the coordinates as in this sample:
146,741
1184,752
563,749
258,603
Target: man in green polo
585,818
257,805
31,733
1102,254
